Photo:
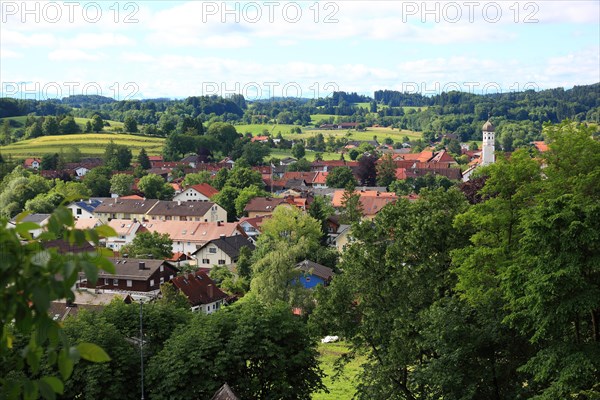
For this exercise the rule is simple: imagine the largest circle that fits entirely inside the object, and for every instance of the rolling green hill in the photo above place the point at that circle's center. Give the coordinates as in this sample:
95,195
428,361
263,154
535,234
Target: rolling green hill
90,144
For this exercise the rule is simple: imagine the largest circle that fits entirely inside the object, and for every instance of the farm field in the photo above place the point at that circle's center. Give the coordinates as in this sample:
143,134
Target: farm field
310,155
90,144
380,132
344,387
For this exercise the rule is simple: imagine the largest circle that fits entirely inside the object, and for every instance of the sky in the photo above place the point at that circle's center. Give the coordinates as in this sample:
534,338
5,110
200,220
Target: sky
261,49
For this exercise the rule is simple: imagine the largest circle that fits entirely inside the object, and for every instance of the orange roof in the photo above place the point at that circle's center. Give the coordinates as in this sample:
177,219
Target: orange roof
338,196
442,157
132,197
423,156
192,231
204,189
541,146
372,205
86,223
259,139
401,174
320,178
124,226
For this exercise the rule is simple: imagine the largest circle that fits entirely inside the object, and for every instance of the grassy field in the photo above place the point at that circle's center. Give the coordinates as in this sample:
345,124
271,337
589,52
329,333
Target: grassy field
344,387
310,155
90,144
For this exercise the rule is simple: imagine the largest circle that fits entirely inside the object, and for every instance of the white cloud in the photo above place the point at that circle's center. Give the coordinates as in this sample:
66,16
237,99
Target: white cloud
7,53
98,40
66,54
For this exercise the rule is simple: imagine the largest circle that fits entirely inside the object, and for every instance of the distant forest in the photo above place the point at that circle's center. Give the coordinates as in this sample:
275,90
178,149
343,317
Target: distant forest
518,116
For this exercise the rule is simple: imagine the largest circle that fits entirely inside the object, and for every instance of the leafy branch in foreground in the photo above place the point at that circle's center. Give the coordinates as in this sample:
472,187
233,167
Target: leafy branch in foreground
34,273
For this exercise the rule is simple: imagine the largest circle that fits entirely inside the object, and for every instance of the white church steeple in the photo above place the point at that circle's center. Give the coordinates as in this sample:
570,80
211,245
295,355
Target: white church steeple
489,140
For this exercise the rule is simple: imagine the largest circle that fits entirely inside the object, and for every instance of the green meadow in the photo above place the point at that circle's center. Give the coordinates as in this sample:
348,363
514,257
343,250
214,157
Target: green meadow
342,387
90,144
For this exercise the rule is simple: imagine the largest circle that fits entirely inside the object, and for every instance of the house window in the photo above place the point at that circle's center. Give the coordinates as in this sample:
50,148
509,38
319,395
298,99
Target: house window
221,262
307,279
129,283
79,211
205,261
170,276
162,268
162,280
106,281
212,250
151,282
115,282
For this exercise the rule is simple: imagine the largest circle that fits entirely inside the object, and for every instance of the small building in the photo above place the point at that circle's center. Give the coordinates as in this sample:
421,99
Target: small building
201,291
32,163
133,275
200,192
314,274
40,219
225,393
202,211
85,208
222,251
126,231
120,208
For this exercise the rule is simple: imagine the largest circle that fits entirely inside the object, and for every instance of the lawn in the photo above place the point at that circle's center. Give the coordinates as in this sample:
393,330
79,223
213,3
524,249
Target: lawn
90,144
344,387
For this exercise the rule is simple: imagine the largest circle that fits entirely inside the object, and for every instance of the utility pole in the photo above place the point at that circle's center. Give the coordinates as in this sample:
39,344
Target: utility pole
142,345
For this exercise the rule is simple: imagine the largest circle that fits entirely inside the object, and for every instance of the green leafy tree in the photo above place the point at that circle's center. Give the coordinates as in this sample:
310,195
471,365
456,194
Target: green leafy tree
415,185
386,171
49,161
245,195
107,380
298,150
97,180
50,126
302,165
352,209
406,248
68,126
196,178
220,178
255,153
18,187
5,135
122,184
149,244
155,187
340,177
97,123
226,199
262,352
130,124
143,159
320,209
33,346
241,177
225,134
117,157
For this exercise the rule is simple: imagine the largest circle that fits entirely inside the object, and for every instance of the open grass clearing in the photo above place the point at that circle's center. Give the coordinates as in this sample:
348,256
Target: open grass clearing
90,144
344,386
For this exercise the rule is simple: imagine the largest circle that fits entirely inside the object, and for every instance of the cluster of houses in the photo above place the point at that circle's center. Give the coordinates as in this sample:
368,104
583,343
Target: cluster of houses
201,236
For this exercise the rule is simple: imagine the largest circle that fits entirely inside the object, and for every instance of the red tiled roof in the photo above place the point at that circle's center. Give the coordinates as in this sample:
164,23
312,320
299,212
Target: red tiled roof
541,146
259,138
198,288
338,195
205,189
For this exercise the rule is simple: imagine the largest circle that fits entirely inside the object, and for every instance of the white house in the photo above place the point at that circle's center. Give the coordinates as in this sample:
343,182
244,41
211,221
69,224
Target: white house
40,219
200,192
222,251
126,231
202,293
84,208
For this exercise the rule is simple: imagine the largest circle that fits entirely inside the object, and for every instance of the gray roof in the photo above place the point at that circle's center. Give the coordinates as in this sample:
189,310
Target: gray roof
185,208
128,206
319,270
230,245
129,268
225,393
37,218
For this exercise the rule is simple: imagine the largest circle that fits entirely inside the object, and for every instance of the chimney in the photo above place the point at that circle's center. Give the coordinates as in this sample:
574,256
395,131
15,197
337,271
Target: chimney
219,223
142,265
222,236
210,291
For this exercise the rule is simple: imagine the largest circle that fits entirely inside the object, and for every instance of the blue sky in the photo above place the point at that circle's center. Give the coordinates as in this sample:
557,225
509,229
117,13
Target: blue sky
144,49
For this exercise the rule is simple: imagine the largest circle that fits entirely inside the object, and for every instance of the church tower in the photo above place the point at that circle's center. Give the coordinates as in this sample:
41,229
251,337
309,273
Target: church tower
489,138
